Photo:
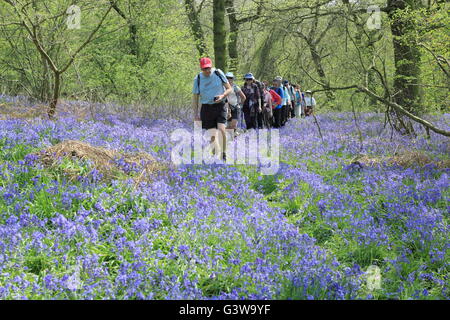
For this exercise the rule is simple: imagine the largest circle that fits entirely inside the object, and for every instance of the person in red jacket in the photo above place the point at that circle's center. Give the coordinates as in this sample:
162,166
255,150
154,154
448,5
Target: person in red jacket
267,109
276,99
277,111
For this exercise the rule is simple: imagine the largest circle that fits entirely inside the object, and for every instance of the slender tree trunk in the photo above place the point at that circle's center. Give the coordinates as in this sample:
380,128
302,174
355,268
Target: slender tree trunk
365,47
133,43
45,84
233,37
320,71
264,63
196,27
220,34
55,97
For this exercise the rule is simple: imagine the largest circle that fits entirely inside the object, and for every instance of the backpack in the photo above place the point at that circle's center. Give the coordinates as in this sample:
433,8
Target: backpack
276,99
217,74
292,91
261,91
255,89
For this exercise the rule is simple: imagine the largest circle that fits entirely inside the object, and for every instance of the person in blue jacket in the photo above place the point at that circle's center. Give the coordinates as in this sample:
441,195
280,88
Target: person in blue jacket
277,112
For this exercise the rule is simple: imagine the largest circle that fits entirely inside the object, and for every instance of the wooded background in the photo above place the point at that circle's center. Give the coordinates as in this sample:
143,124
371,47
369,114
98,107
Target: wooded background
146,51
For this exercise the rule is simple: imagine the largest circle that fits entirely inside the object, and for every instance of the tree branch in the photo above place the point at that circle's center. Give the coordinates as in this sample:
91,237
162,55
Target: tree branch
393,105
254,17
438,59
87,40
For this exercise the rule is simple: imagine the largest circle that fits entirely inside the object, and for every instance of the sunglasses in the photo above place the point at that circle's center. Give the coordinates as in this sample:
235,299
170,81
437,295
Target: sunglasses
248,79
206,69
230,78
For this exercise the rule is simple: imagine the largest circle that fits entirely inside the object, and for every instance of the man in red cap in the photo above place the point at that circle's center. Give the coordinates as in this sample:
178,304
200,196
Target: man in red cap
211,88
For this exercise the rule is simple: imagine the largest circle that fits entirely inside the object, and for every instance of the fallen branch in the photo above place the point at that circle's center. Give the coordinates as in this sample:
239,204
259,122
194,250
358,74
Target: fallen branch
393,105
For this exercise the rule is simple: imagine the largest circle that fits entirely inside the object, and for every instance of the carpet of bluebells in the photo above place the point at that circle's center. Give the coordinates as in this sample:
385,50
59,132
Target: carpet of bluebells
218,231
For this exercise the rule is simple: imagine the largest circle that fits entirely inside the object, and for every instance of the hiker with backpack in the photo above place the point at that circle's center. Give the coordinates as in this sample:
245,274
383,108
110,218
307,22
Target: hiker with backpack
310,103
286,103
261,116
298,100
277,111
302,104
291,88
291,100
252,105
267,110
235,100
211,89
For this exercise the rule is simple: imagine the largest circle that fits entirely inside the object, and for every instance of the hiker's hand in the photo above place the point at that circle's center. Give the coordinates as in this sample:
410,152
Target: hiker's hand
197,118
219,98
259,110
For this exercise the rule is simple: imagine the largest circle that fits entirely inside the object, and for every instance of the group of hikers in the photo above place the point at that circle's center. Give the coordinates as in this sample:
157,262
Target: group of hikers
225,105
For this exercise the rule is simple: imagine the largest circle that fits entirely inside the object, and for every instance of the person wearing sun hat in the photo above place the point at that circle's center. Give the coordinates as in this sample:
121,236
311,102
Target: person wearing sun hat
310,103
235,100
211,88
286,103
279,107
252,105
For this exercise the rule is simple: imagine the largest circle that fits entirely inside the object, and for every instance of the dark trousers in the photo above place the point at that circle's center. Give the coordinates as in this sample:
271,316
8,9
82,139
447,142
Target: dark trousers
284,114
267,118
260,120
292,109
277,118
250,122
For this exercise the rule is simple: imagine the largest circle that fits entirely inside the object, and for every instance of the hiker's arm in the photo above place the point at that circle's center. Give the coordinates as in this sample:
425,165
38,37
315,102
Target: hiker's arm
259,100
195,100
243,97
228,90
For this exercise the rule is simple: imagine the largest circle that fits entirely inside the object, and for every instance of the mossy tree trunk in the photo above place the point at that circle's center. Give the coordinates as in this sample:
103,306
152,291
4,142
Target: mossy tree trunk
220,34
233,36
407,61
196,27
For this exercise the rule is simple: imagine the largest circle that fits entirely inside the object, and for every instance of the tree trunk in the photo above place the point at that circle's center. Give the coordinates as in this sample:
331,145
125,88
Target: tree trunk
196,27
407,64
320,71
133,43
45,84
407,59
233,37
55,97
220,34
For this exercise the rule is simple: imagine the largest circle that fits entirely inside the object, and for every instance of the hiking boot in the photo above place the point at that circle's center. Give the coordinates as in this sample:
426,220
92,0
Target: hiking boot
224,157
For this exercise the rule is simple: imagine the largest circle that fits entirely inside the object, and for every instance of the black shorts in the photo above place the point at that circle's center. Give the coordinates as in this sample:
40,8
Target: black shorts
212,114
235,111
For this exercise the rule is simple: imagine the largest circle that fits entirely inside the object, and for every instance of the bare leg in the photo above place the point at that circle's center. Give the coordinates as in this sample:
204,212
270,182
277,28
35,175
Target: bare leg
213,145
222,137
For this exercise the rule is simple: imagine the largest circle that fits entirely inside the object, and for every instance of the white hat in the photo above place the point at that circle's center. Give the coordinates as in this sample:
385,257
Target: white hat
229,75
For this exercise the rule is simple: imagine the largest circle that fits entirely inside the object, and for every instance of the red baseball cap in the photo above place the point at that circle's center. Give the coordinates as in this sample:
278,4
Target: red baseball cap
205,63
